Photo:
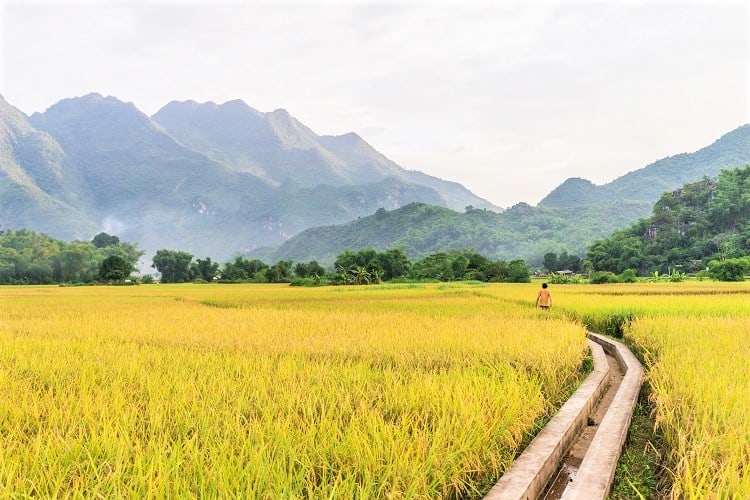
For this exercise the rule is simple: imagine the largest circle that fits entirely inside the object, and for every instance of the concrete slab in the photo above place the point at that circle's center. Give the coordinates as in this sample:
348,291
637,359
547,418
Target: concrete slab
532,470
594,477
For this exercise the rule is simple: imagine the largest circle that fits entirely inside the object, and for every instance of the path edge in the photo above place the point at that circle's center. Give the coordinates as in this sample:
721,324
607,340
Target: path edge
596,473
532,470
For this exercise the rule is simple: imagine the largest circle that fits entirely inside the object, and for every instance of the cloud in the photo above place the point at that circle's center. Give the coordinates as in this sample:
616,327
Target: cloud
509,98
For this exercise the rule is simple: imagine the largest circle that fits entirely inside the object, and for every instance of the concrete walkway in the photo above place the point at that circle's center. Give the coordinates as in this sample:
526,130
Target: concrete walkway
530,474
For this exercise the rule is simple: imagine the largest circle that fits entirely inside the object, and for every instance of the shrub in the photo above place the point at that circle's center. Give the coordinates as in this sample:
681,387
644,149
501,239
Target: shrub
601,277
628,276
729,269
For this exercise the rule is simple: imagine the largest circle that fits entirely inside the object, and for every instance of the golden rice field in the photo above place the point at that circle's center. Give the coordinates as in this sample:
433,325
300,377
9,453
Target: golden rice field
402,391
260,391
695,340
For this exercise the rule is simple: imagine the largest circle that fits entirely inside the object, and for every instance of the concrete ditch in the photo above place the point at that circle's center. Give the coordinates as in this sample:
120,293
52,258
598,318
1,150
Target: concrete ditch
575,455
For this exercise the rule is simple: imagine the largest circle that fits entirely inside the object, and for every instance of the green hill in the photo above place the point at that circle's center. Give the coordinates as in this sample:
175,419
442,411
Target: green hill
522,231
700,222
648,183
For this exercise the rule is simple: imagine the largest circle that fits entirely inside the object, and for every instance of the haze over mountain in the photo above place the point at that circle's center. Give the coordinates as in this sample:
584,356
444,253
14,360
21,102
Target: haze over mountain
211,179
570,218
648,183
279,149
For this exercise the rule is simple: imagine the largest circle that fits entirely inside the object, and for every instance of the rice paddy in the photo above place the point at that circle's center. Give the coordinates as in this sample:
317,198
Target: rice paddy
397,391
272,391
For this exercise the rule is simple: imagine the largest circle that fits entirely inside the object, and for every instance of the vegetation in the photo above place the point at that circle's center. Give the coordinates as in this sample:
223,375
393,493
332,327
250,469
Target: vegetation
265,391
27,257
703,224
521,231
692,338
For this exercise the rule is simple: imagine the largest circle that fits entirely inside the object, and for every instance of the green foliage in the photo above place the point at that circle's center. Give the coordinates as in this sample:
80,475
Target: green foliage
310,270
729,270
628,276
421,230
242,269
518,272
204,269
703,221
467,265
173,265
281,272
115,268
601,277
27,257
103,240
565,261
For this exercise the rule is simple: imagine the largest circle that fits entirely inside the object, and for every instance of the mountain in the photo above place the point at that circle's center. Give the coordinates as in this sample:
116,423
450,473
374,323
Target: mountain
521,231
648,183
228,179
570,218
279,149
215,179
688,227
36,188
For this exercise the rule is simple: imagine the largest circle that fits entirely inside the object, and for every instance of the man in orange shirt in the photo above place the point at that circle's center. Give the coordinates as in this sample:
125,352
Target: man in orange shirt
544,298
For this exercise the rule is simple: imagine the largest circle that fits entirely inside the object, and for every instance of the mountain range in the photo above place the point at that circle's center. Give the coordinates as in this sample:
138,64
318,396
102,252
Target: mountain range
210,179
570,218
217,179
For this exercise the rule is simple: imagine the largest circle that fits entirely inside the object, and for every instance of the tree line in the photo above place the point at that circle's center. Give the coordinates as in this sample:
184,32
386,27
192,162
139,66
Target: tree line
366,266
27,257
702,228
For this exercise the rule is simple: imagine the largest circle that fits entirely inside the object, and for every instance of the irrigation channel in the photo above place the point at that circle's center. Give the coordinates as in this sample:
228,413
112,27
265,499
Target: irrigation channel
575,455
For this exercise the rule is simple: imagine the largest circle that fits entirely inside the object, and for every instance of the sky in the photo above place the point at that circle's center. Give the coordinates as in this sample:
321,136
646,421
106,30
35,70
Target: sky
509,98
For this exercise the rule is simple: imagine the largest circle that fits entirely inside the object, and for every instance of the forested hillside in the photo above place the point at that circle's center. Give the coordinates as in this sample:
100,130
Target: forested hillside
522,231
700,222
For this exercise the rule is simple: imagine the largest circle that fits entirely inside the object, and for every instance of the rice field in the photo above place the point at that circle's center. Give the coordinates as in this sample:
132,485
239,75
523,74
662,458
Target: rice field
272,391
397,391
694,338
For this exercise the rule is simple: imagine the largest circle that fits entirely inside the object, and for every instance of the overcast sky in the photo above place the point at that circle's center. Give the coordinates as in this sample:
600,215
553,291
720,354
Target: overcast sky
507,98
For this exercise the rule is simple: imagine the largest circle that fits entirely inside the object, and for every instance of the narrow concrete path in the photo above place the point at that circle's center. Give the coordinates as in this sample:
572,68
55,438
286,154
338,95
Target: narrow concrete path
571,463
575,455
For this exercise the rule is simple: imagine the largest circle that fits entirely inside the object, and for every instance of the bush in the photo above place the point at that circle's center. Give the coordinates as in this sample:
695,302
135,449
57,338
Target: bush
729,270
628,276
309,282
601,277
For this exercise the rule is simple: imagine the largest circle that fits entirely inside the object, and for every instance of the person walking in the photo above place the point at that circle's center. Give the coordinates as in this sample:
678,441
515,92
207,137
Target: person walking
544,298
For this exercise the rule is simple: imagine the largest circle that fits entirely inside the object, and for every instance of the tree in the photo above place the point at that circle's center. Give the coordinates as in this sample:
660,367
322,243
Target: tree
309,270
729,270
281,272
568,261
38,273
103,240
436,266
550,262
393,263
204,269
518,272
174,265
115,268
77,262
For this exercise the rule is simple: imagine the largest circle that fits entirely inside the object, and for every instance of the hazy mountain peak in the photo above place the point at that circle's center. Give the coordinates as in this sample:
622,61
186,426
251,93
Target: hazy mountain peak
291,133
667,174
